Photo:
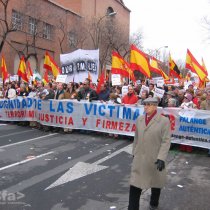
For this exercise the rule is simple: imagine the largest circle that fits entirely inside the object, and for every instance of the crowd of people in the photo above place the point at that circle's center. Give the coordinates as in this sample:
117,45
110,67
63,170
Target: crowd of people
174,96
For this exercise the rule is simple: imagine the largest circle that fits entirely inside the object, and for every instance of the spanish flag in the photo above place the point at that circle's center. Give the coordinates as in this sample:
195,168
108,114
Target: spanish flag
50,65
188,76
204,67
139,61
4,71
45,78
29,70
101,81
155,68
120,66
173,68
193,65
22,71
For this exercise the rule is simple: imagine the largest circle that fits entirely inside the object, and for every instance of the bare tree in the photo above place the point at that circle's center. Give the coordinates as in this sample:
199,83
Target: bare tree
107,34
77,35
5,27
206,25
137,39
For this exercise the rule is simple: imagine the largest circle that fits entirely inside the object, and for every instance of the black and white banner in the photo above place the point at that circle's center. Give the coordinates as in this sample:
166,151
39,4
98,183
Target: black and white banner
78,64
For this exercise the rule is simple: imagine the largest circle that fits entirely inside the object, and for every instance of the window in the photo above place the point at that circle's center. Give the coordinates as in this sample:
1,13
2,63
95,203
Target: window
72,39
109,10
47,31
32,25
17,20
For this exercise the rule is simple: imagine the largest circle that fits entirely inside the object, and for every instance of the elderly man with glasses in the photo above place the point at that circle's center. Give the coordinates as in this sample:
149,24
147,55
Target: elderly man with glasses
150,149
87,93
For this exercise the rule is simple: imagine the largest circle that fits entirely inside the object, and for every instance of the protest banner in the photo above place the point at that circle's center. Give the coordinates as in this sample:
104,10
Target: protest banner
190,126
79,63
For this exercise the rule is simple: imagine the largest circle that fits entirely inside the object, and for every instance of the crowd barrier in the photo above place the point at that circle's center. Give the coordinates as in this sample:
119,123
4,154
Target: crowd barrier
190,127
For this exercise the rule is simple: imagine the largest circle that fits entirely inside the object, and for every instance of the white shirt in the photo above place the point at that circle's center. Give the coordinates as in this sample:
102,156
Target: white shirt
12,93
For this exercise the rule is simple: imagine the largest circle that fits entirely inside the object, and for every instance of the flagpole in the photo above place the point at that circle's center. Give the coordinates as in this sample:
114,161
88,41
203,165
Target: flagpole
129,77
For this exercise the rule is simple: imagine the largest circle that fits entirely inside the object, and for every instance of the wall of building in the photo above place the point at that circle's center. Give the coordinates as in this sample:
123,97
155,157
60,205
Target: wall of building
51,12
45,12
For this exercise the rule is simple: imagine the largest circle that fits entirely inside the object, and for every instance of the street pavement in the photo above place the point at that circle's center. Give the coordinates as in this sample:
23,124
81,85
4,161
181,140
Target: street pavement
52,171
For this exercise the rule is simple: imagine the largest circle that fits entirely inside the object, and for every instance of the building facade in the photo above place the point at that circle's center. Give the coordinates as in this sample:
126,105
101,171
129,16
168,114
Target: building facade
54,26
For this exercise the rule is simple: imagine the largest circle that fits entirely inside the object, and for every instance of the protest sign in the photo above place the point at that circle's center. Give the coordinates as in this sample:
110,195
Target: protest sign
116,79
61,78
158,92
144,88
124,90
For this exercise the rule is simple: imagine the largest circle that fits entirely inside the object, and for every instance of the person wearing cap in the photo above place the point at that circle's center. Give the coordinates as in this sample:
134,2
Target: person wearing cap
205,105
150,149
187,102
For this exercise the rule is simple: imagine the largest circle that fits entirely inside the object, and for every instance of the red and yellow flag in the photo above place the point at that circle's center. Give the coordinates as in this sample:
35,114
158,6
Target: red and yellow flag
188,76
204,67
45,77
22,71
4,71
155,68
101,81
193,65
173,68
139,61
120,66
50,64
29,70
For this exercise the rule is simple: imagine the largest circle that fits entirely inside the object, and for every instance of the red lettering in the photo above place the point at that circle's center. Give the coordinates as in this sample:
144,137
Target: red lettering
51,118
84,120
133,128
98,121
47,118
31,113
114,125
61,120
172,121
108,123
127,127
71,122
121,126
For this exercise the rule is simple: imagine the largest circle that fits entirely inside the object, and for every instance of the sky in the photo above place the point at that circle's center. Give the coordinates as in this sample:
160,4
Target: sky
177,24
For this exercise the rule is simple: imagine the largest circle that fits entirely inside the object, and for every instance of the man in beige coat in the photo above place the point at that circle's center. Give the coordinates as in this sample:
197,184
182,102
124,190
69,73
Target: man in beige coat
150,149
